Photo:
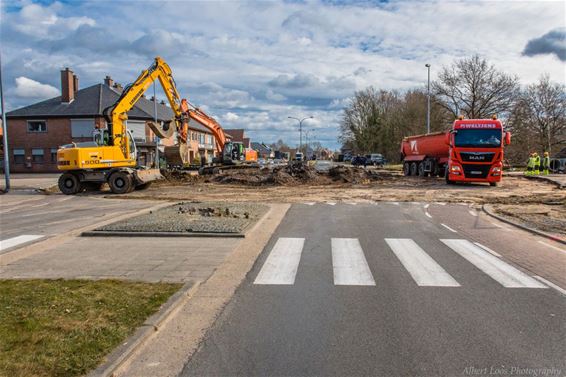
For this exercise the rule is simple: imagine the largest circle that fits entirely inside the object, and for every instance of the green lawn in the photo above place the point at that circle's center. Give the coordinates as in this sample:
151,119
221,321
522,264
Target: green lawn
66,327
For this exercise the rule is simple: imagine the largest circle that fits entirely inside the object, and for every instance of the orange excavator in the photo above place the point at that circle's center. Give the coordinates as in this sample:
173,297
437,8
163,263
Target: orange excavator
233,153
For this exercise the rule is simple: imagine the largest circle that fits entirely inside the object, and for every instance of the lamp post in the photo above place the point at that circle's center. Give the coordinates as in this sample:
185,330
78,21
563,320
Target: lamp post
5,136
428,100
301,129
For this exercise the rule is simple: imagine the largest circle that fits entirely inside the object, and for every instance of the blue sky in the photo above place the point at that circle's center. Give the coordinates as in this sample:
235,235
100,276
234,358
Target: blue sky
253,64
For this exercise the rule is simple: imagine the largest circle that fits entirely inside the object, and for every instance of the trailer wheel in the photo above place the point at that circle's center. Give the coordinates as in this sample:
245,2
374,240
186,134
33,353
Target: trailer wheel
406,169
121,182
414,168
69,184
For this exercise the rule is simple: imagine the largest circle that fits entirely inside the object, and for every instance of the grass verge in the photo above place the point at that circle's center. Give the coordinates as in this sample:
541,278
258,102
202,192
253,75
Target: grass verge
66,327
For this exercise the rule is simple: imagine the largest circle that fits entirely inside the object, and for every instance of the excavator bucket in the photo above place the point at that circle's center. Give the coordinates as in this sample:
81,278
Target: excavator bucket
177,155
163,132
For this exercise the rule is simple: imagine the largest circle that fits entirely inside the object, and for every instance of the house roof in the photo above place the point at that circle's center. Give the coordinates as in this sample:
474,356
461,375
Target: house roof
260,147
236,133
91,101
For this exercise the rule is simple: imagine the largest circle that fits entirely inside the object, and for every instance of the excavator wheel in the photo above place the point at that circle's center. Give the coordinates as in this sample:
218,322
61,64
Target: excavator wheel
69,184
121,182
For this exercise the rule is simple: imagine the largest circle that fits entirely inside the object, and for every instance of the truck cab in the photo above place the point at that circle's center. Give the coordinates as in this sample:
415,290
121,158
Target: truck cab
476,151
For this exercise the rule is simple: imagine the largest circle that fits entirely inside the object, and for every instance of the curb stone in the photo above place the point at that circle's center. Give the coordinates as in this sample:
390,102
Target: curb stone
109,233
489,210
150,325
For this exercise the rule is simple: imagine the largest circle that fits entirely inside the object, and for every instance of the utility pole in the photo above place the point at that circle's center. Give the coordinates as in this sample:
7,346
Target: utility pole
428,101
5,134
301,130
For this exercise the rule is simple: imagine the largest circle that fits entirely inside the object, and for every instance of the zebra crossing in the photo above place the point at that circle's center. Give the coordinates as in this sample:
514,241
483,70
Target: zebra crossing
19,240
350,266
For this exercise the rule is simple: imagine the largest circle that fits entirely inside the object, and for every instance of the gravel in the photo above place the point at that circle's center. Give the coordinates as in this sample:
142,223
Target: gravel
190,217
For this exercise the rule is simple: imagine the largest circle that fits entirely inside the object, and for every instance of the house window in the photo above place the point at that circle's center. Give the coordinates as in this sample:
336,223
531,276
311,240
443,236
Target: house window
37,126
54,155
82,128
19,155
37,154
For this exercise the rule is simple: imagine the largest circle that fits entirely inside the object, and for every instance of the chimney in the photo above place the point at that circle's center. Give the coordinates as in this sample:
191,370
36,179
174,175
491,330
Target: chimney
67,86
108,81
75,83
118,87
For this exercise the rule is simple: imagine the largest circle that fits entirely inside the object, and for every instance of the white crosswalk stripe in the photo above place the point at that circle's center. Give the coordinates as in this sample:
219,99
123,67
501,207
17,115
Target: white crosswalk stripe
349,263
497,269
15,241
281,265
424,270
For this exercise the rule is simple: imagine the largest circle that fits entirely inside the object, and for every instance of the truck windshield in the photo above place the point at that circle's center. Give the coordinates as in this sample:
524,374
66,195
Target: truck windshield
490,138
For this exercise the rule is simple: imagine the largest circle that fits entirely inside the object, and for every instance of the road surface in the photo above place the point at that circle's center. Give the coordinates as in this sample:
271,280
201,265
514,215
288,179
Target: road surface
389,289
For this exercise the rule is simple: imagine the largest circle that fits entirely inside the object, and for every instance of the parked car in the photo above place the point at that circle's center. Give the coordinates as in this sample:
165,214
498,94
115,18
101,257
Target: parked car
347,158
359,161
376,159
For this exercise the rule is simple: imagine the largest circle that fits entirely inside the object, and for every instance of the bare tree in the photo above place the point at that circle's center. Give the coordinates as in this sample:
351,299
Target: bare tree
475,89
544,109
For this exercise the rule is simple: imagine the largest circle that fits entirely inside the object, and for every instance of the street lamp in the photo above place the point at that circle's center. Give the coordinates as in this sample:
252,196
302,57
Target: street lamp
301,129
428,101
5,136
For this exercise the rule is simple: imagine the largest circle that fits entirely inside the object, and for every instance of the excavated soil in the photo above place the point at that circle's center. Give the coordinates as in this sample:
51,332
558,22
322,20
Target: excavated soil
549,217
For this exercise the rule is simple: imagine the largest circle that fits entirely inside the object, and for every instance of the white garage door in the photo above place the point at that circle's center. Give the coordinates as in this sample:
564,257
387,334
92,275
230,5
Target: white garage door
137,128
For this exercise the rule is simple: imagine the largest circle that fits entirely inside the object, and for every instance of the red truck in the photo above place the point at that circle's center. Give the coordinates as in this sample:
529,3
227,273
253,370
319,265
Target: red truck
472,151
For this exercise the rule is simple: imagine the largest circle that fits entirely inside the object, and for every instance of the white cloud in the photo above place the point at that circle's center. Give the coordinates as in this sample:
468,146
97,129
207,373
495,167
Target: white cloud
28,88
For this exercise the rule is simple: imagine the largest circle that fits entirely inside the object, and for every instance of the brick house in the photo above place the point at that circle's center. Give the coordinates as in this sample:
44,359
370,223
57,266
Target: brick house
36,131
238,135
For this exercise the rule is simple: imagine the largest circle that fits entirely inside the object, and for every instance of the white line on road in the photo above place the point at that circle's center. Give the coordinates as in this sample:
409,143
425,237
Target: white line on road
395,203
309,203
426,206
40,205
500,271
349,263
551,285
15,241
488,249
552,246
281,265
424,270
447,227
428,215
473,213
331,203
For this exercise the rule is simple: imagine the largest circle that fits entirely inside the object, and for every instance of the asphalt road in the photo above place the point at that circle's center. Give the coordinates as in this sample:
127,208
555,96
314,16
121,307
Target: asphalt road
342,290
25,219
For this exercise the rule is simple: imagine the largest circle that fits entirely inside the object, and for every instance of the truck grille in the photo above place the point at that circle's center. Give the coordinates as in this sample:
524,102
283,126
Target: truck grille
477,156
476,171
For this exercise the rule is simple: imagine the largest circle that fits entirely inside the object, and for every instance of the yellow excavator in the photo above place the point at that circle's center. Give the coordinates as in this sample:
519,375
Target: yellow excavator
112,156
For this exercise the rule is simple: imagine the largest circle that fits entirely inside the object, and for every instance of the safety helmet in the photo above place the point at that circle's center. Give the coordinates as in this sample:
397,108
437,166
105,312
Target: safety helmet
546,153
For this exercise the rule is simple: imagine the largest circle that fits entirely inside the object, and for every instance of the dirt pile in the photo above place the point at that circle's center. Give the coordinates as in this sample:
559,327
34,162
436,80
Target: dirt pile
292,174
180,177
349,174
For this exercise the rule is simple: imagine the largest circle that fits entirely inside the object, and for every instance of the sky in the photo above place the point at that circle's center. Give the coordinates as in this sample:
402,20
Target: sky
252,65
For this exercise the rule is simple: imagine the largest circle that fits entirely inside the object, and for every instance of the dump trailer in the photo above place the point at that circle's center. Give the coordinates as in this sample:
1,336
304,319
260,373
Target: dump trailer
472,151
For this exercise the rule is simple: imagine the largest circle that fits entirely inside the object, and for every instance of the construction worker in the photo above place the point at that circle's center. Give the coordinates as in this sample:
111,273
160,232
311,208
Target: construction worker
530,164
545,163
537,164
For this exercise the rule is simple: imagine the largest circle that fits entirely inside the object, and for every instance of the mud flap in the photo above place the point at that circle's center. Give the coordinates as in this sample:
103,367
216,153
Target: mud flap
147,175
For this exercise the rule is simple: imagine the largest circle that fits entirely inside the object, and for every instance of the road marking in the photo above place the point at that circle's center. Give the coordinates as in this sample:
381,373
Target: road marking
497,269
15,241
424,270
552,246
309,203
349,263
551,285
331,203
426,206
473,213
441,203
488,249
395,203
281,265
428,215
39,205
447,227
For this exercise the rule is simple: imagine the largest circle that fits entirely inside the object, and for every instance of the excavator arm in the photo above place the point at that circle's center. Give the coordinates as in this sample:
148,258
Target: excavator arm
116,115
210,123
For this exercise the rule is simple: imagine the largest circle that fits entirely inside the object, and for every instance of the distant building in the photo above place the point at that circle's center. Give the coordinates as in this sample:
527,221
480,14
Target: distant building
263,151
238,135
35,132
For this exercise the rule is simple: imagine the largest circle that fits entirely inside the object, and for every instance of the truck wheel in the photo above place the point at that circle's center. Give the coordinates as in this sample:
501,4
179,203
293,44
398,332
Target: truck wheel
421,170
406,169
69,184
414,168
121,182
493,184
448,181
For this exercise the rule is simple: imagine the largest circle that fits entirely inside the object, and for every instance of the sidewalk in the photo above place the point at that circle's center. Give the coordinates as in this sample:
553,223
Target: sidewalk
29,181
557,179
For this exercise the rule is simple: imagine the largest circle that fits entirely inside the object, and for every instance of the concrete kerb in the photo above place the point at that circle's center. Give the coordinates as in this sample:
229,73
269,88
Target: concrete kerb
489,210
108,233
50,242
545,179
151,325
166,351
